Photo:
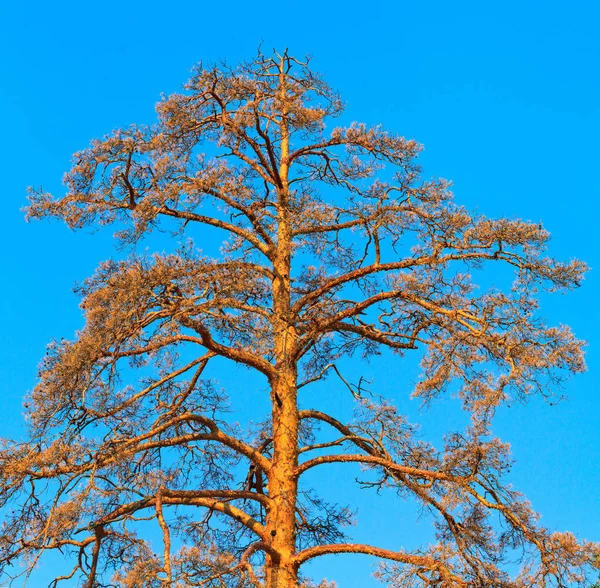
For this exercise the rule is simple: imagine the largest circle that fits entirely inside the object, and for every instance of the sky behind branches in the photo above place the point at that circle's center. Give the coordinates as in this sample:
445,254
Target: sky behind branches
504,96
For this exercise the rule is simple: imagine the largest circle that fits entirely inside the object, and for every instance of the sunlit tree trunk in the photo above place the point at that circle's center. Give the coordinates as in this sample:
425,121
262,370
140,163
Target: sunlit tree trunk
283,484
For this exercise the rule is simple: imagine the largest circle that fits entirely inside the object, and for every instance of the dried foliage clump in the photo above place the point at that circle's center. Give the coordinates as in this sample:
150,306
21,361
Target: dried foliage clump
334,245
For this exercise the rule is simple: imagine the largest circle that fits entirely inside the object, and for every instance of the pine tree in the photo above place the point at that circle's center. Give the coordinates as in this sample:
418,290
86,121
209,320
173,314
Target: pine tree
335,246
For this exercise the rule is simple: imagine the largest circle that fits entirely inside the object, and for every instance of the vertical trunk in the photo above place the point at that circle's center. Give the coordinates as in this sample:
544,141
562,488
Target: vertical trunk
283,485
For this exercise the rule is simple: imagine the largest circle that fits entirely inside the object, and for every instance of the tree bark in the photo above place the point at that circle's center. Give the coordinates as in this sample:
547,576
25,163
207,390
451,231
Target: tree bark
281,570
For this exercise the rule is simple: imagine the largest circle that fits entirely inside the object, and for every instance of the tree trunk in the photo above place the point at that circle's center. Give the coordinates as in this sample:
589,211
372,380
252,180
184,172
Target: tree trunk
283,483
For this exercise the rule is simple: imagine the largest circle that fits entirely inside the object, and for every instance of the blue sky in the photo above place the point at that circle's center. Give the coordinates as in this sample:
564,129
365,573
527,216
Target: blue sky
504,96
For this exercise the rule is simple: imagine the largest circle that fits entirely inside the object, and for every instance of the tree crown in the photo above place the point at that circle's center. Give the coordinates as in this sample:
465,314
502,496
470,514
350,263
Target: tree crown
335,245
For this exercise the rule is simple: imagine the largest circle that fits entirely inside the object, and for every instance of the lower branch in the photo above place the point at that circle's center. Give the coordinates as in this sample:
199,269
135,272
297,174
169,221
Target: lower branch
182,498
423,562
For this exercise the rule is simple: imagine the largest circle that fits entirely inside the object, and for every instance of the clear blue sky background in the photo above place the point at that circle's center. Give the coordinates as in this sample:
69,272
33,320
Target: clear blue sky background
504,95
